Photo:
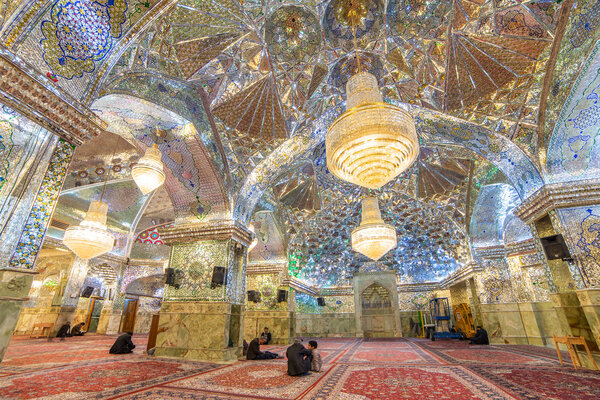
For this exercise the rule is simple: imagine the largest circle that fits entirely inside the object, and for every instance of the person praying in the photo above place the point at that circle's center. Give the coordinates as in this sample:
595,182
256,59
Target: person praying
64,330
123,344
266,335
481,337
299,358
77,329
316,362
254,352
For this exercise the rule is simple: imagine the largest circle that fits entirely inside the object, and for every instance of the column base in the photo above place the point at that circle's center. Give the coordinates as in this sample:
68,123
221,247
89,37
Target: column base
590,303
200,331
109,322
571,317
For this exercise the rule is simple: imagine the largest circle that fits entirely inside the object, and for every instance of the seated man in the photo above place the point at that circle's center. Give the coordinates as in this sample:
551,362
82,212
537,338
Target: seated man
63,332
254,352
266,335
316,362
123,344
299,359
481,337
76,331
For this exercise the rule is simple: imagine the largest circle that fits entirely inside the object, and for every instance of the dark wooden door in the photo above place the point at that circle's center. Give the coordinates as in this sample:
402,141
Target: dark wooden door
129,312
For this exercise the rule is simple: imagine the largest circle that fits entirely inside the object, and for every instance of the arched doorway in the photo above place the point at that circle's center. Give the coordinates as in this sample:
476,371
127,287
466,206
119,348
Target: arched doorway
377,312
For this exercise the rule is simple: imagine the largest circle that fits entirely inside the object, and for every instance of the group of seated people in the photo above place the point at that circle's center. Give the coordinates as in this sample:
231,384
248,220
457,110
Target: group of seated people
67,331
301,360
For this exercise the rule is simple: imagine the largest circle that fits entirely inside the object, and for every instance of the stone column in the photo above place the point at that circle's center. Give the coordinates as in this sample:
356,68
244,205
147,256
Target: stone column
198,320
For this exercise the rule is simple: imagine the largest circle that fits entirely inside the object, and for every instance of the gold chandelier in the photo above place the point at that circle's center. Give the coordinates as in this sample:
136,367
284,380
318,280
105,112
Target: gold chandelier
92,237
372,142
373,237
148,173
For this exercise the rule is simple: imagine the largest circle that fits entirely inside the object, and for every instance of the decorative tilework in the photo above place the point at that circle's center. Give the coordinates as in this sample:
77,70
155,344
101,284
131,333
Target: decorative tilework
34,231
80,34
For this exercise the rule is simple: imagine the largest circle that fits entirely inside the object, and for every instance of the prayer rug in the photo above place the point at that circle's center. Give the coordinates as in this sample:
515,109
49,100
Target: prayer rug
266,379
395,353
489,355
367,382
540,383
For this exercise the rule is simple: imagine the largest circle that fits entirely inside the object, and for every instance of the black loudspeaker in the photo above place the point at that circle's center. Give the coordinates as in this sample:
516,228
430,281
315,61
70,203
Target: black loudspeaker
219,277
282,295
320,301
87,292
555,247
170,277
253,296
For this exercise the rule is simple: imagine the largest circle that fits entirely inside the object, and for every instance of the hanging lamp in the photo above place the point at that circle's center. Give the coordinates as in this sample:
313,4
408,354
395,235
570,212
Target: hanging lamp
372,142
148,173
373,237
91,237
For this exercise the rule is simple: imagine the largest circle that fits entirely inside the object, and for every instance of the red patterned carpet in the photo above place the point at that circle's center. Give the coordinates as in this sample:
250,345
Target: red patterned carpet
81,368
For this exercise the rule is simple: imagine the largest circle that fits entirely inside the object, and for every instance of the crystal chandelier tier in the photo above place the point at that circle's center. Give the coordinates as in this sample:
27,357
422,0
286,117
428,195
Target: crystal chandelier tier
372,142
373,237
148,173
91,237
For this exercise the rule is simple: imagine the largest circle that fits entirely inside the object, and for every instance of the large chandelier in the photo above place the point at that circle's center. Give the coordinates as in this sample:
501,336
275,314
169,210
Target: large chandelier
373,237
148,173
91,237
372,142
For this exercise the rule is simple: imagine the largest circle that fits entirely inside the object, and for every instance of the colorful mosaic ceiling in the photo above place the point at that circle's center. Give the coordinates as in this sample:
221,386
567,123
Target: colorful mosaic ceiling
238,95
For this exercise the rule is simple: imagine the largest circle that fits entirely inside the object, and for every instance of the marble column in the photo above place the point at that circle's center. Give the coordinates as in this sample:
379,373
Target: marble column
112,312
199,320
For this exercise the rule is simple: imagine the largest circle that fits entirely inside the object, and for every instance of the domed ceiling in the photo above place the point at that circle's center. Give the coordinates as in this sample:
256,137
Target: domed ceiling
243,77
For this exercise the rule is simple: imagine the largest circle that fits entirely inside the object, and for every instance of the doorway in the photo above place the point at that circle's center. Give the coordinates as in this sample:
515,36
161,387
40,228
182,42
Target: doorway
377,312
129,313
93,317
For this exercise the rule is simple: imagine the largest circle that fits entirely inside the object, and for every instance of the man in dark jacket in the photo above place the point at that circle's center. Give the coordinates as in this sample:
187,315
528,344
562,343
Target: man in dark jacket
481,337
266,335
254,352
63,332
123,344
77,329
299,358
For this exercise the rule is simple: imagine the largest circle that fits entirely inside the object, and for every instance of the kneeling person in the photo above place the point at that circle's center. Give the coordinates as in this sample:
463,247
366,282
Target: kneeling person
299,359
76,331
254,352
123,344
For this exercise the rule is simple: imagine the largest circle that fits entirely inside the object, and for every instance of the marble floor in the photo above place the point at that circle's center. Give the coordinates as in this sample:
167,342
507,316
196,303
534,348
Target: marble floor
353,370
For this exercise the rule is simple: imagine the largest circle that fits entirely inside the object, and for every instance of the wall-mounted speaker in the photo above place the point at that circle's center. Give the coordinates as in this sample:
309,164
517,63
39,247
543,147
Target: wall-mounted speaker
320,301
555,247
219,277
282,295
87,292
254,296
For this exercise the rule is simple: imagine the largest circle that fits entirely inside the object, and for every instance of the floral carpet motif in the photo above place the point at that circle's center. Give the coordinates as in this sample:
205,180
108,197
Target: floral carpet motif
81,368
254,378
395,383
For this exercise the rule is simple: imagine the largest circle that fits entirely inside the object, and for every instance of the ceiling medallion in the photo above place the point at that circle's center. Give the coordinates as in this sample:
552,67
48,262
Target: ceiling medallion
373,237
372,142
148,173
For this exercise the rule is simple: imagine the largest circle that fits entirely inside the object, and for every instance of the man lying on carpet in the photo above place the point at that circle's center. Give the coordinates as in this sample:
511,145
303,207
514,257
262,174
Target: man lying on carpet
123,344
481,337
299,358
254,352
77,329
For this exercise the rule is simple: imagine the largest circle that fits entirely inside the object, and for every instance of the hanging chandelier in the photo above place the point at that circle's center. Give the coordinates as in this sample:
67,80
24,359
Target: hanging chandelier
91,237
373,237
372,142
148,173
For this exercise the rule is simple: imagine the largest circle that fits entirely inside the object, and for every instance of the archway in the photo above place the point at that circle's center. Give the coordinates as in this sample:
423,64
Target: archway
377,311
